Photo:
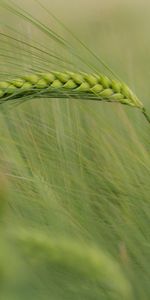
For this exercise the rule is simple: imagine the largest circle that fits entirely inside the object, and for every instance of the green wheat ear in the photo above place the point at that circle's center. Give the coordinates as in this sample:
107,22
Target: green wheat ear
69,84
87,260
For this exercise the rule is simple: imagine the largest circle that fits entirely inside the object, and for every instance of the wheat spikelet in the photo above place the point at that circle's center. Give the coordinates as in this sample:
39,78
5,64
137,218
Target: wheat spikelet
69,84
63,84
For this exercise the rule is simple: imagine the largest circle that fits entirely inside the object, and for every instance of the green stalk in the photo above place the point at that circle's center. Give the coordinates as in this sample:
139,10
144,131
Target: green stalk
146,115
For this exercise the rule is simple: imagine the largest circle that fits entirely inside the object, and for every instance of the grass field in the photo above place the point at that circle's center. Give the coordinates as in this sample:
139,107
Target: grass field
75,175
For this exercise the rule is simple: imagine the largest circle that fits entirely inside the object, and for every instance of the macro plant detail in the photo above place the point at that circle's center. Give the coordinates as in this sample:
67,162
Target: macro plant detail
74,150
60,84
57,84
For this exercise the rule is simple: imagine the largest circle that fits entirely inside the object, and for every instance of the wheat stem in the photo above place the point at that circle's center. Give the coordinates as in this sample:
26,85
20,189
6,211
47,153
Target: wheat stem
146,115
